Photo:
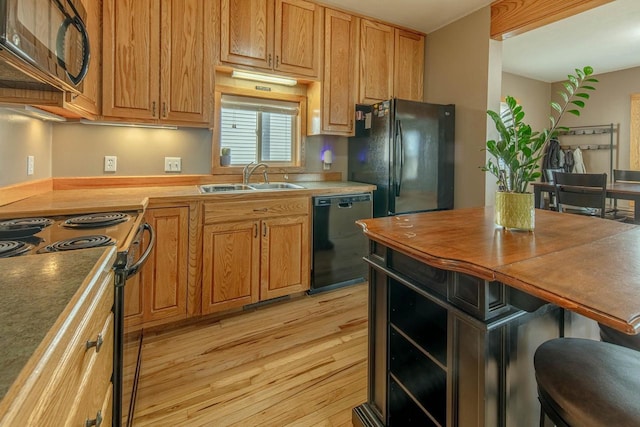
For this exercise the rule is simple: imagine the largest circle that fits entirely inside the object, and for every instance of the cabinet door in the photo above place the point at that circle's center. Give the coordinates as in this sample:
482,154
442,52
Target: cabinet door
285,256
89,99
231,265
298,32
339,72
376,62
408,70
246,32
131,57
164,276
186,61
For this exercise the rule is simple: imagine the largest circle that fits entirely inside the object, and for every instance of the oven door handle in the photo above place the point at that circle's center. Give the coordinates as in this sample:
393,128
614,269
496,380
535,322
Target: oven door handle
133,270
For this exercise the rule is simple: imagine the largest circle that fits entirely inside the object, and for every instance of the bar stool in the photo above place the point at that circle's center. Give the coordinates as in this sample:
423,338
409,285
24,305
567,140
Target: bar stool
587,383
608,334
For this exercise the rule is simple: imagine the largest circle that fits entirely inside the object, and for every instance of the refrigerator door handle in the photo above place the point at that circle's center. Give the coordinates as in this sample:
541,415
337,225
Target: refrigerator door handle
400,157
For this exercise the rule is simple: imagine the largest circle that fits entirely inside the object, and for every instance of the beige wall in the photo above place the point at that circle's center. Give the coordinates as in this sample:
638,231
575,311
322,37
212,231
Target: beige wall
533,95
21,136
79,150
609,103
457,69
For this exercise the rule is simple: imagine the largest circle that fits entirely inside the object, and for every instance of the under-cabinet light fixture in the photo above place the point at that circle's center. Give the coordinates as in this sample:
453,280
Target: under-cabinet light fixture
128,125
265,78
33,112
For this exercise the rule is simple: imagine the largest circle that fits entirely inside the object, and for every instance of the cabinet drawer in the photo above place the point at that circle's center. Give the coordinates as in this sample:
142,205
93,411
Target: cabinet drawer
95,381
78,360
254,209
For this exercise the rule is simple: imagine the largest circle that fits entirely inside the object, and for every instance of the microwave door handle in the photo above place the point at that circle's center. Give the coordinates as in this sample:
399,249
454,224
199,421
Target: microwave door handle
60,39
133,270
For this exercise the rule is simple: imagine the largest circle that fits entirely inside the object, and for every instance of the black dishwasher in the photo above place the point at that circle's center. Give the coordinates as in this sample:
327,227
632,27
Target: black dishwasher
338,243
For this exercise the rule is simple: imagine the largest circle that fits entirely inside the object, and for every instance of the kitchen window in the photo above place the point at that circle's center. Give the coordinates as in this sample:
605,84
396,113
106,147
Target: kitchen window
258,129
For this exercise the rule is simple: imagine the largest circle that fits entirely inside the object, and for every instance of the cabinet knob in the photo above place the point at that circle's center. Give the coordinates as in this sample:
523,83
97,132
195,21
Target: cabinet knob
97,343
97,421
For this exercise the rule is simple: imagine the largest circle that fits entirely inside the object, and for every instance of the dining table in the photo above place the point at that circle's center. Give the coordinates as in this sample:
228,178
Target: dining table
615,190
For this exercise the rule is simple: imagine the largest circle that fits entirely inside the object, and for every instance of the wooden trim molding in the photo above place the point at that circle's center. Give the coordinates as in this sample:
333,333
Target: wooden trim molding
513,17
23,190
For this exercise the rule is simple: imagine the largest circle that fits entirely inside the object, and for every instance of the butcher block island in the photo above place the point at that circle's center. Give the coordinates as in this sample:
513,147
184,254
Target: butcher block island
458,306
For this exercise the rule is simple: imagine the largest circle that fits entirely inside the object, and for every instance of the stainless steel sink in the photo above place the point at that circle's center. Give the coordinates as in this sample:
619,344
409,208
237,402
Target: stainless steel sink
275,186
215,188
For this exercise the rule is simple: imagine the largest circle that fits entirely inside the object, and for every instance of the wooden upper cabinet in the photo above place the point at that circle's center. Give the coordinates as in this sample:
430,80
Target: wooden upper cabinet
298,37
156,60
376,62
408,69
131,61
273,35
331,103
246,32
391,63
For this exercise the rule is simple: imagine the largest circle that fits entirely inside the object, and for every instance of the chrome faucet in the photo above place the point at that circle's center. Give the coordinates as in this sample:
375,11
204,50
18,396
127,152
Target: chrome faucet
248,171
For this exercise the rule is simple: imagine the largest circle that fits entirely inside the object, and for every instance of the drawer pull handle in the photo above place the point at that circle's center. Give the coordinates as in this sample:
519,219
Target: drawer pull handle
261,210
97,343
97,421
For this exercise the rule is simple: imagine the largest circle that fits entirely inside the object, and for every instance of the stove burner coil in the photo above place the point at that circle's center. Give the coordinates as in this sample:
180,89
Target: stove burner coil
42,222
96,220
10,248
81,242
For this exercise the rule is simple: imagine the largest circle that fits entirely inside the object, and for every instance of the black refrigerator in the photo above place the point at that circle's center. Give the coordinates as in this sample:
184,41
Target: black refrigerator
406,149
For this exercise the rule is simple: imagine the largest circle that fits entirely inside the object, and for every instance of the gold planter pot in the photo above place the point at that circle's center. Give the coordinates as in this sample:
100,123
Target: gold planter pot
515,210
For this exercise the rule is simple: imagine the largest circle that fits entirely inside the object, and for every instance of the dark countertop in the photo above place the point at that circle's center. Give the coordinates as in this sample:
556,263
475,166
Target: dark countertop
35,290
586,265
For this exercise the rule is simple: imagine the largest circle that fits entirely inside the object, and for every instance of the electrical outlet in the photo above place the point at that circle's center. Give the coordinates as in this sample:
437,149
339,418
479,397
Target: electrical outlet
30,165
173,164
110,163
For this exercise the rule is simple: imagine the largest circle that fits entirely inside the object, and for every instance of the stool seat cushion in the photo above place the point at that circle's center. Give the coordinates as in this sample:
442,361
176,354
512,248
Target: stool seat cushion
589,383
608,334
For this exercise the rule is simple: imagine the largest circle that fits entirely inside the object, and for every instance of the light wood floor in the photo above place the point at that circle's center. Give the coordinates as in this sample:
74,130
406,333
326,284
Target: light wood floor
300,362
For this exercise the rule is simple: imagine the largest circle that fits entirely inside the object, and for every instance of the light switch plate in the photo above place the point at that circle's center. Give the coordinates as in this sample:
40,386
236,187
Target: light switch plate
173,164
30,165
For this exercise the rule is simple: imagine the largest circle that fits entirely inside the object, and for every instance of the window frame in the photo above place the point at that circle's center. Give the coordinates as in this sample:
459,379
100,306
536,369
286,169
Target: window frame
298,154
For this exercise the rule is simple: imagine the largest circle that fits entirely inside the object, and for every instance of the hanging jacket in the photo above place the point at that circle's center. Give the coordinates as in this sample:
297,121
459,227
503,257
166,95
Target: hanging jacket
552,158
578,166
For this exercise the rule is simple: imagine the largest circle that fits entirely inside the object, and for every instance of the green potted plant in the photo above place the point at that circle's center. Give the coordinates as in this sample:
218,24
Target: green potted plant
518,151
225,156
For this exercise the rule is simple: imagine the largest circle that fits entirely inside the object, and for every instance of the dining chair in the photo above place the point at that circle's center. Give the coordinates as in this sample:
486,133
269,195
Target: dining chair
581,193
548,175
622,175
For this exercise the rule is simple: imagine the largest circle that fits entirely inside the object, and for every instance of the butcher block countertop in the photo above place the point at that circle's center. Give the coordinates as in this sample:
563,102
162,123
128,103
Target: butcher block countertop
37,295
91,200
587,265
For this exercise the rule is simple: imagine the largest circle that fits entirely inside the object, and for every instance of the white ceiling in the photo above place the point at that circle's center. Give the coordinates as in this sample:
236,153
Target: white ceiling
606,38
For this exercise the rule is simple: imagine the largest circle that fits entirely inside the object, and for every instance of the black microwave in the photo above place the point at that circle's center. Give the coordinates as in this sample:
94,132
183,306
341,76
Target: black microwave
43,43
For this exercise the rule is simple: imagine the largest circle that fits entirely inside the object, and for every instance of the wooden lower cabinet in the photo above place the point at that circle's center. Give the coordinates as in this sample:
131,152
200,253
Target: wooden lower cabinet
231,265
159,294
284,261
263,257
